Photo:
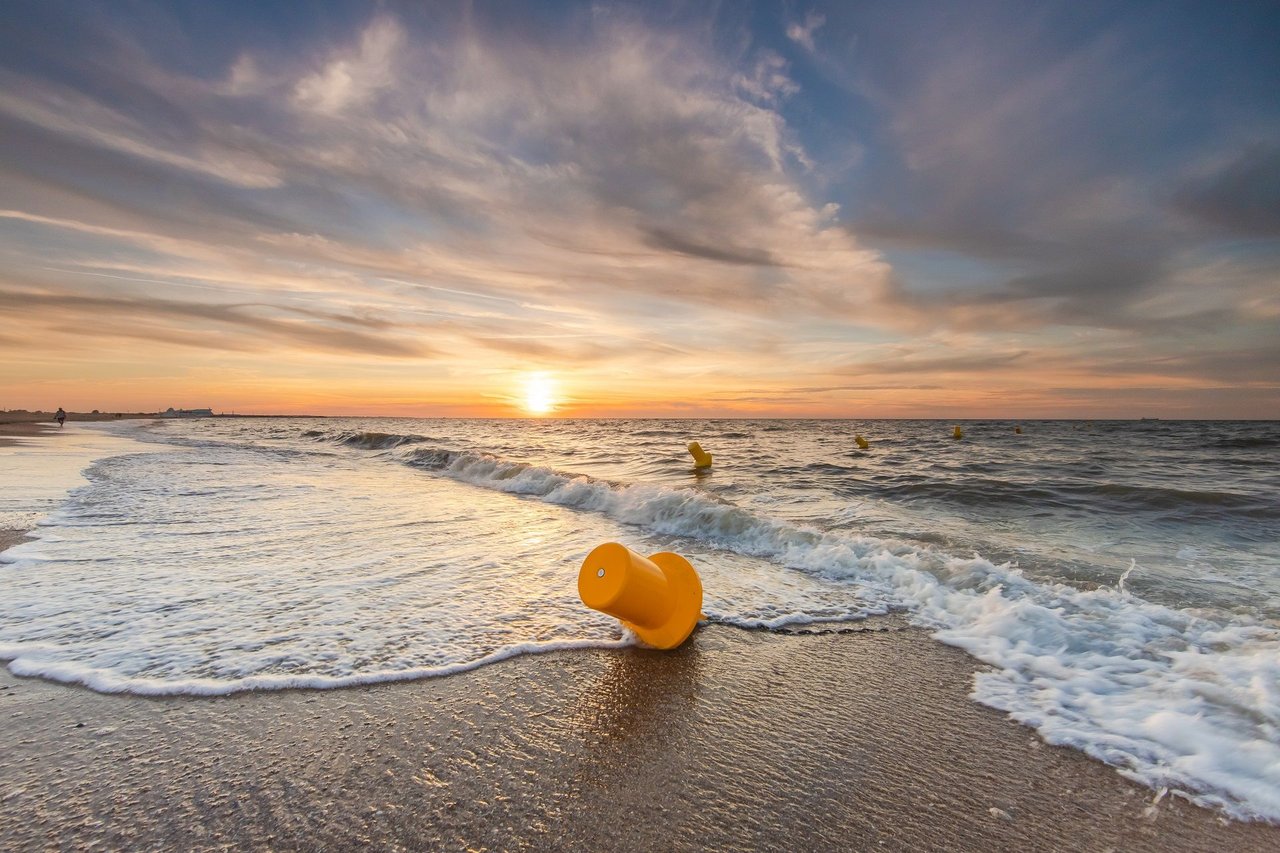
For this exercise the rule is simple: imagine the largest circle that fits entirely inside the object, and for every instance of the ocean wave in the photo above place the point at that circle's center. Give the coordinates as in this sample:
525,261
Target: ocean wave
377,440
974,491
1248,442
1182,500
686,512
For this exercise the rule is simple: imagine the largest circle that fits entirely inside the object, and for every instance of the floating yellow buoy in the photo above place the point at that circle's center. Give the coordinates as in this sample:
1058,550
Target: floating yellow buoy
660,598
862,442
1017,430
957,433
701,458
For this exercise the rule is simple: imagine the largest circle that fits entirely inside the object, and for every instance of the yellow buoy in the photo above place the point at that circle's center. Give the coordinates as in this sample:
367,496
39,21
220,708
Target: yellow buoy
701,458
660,598
1017,430
862,442
957,433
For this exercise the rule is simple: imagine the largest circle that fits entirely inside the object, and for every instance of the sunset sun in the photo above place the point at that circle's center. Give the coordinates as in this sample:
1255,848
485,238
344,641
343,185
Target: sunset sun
539,394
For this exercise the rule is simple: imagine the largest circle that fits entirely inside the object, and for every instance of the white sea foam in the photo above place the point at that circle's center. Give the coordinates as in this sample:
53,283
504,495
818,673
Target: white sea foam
33,663
226,567
37,473
215,569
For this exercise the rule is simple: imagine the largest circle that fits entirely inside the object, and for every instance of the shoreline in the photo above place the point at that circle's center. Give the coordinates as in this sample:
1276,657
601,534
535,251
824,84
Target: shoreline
737,740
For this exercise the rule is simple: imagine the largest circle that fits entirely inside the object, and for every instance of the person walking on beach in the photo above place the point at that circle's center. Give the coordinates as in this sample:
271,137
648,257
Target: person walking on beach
60,416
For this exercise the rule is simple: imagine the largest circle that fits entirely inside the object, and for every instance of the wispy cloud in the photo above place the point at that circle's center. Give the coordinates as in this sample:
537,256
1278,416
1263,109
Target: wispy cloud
211,326
353,76
1242,197
802,32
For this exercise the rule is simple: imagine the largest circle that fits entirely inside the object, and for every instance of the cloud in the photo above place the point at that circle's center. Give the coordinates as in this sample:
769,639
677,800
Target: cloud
352,76
802,33
966,363
768,80
495,166
658,153
1242,197
211,326
71,116
1038,160
1095,285
660,238
561,350
1257,366
979,239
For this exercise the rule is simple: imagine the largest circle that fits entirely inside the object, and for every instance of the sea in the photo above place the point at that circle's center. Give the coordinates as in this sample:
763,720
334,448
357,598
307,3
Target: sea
1119,581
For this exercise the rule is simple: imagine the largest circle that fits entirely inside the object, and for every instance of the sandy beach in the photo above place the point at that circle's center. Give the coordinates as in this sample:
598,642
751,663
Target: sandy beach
737,741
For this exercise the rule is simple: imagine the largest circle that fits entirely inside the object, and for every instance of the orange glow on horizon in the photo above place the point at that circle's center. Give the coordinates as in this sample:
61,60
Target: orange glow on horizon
153,377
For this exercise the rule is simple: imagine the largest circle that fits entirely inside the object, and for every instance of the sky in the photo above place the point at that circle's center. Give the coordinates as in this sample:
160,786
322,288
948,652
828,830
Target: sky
576,209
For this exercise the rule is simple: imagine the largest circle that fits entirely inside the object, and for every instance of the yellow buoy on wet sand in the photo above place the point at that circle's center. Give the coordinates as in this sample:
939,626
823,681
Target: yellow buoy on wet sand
957,433
701,458
658,597
862,442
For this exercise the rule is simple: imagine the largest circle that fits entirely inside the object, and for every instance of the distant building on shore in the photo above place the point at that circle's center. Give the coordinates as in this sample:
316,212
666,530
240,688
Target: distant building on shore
171,412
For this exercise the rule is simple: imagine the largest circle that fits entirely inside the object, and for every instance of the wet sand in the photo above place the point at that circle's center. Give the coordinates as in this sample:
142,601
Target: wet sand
12,433
9,538
15,426
46,418
736,741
